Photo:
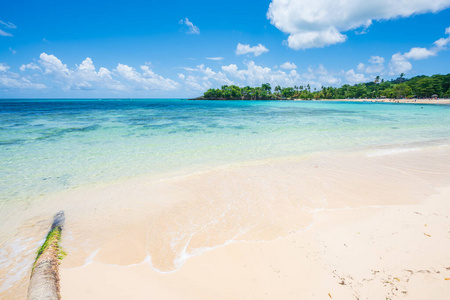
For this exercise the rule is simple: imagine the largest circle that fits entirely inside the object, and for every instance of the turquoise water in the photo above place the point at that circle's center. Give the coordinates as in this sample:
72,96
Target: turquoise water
52,145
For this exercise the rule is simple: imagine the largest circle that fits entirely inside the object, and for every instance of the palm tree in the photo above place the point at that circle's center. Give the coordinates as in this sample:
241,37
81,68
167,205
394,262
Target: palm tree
44,280
266,87
377,79
277,89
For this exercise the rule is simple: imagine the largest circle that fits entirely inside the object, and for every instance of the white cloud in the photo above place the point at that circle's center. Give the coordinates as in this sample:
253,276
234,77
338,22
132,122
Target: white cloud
255,75
319,23
86,77
192,29
12,80
419,53
361,67
376,60
4,67
399,64
8,25
19,83
215,58
232,68
329,80
204,78
147,79
189,69
31,66
288,65
12,51
83,77
311,39
52,65
320,77
376,65
255,50
443,42
4,33
352,77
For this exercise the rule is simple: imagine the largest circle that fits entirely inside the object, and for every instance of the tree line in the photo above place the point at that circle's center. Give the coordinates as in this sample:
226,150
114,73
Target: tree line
415,87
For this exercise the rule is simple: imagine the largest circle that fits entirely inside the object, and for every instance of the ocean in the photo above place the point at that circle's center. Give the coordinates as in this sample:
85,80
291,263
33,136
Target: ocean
52,145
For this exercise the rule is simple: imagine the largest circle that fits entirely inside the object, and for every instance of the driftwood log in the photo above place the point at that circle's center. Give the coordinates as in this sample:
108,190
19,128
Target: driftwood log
44,281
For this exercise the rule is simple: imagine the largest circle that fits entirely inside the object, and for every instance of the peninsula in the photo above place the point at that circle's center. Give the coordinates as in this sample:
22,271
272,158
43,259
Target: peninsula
419,87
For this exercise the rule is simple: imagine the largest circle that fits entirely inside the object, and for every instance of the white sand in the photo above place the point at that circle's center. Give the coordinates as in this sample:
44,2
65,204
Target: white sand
388,100
371,225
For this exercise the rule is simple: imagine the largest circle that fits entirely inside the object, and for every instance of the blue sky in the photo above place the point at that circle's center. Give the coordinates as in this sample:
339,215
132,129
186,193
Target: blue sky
180,48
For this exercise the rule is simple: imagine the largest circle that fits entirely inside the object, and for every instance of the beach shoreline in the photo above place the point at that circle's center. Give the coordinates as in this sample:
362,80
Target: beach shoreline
230,225
386,100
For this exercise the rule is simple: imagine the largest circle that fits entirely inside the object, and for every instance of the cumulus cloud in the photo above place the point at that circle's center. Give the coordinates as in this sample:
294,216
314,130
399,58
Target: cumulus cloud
146,79
399,64
319,23
53,65
443,42
255,75
419,53
288,65
191,28
376,65
30,66
202,78
320,77
86,76
352,77
247,49
83,77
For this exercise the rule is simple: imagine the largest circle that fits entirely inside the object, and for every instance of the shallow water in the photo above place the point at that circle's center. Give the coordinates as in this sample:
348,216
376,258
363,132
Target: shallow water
51,145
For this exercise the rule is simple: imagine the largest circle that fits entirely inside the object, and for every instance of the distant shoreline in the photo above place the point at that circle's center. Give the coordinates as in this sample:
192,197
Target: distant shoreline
411,101
445,101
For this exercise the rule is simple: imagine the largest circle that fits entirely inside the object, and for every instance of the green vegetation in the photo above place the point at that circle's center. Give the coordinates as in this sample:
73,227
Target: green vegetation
51,241
419,86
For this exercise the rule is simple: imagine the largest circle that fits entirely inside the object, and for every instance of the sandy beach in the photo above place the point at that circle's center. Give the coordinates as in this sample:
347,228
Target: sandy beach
381,232
365,225
398,252
411,101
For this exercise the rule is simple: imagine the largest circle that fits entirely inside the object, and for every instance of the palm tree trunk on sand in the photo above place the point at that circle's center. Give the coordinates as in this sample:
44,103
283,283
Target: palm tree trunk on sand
44,281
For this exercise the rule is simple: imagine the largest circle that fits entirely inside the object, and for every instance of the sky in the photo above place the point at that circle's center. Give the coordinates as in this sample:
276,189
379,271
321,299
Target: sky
179,49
